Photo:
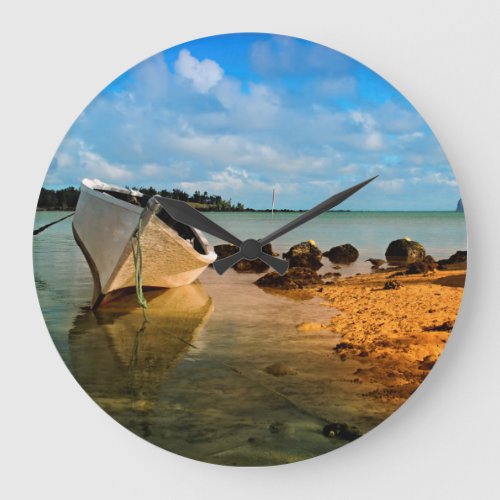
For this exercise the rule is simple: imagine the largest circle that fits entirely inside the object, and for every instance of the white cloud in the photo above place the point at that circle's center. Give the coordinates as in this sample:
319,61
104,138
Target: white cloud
412,136
96,166
391,185
230,179
373,139
202,74
439,178
349,169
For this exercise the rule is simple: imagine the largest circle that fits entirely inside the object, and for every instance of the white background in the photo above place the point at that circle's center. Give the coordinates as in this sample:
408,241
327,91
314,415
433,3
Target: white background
443,56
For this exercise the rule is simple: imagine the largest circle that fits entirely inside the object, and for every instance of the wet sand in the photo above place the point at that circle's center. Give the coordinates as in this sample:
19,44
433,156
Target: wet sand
394,336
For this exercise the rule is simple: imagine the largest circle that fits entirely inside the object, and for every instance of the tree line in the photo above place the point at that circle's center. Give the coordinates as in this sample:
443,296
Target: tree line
66,199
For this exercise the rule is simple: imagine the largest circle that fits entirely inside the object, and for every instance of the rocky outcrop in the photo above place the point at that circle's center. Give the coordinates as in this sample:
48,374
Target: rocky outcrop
460,206
428,264
305,254
404,252
456,261
295,278
244,266
342,254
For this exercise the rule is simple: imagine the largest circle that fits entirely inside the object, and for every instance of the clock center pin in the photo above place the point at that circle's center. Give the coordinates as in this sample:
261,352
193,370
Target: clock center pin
251,249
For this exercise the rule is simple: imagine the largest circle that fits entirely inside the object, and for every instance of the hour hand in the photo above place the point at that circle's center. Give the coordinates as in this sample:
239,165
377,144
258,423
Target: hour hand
279,265
185,214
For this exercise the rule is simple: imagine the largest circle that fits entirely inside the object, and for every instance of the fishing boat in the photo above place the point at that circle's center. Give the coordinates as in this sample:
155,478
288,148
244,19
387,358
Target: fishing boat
105,225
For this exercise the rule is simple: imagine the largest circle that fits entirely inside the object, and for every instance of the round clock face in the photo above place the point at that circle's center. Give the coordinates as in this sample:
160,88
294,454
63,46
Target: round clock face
250,249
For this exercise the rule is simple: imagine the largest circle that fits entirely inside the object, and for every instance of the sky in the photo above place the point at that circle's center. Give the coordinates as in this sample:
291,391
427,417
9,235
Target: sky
240,115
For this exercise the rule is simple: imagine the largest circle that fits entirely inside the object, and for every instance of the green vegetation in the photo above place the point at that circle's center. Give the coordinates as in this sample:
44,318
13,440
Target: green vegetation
60,199
66,199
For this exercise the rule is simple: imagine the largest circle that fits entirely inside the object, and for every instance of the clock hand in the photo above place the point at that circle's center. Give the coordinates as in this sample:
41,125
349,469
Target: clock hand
252,249
184,213
222,265
331,202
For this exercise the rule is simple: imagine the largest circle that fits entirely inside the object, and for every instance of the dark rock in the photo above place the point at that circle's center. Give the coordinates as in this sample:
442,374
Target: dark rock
404,251
342,254
392,285
460,206
342,346
427,363
427,265
447,326
244,266
342,431
225,250
305,254
295,278
458,260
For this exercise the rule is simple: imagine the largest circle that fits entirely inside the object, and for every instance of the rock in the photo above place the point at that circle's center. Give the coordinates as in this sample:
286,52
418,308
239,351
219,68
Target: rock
376,263
244,266
392,285
456,261
279,370
331,275
295,278
404,252
341,346
310,327
427,265
447,326
427,363
342,431
225,250
460,206
342,254
305,254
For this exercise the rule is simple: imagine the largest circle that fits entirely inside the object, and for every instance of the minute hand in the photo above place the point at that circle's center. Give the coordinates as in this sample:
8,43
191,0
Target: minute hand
331,202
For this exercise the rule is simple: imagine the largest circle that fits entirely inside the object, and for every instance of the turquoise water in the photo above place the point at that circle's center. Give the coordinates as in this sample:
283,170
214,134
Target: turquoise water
194,380
441,233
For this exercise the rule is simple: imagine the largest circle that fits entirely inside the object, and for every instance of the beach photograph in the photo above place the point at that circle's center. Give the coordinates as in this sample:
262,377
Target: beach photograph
249,249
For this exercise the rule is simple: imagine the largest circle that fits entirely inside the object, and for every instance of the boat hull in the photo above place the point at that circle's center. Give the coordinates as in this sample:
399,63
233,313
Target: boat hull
104,228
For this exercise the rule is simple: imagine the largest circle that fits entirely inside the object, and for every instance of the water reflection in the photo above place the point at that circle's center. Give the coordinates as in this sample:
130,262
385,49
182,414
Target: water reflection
120,360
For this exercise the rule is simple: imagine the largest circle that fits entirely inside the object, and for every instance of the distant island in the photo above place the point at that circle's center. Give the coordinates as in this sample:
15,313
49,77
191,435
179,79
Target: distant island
460,206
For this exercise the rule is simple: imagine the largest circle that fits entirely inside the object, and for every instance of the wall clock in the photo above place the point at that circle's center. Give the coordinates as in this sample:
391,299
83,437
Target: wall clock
250,249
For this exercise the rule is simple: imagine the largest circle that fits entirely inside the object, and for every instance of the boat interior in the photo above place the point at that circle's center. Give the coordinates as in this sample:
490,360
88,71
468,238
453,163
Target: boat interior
141,200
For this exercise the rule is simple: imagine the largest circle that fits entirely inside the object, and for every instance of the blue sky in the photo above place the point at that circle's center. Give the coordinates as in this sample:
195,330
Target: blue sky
239,115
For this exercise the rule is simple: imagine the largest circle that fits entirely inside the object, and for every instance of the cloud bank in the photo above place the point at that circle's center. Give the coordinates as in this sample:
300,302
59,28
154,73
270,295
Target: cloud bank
239,115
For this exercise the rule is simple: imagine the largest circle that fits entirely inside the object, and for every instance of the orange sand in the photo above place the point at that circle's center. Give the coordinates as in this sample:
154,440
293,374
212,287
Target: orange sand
392,332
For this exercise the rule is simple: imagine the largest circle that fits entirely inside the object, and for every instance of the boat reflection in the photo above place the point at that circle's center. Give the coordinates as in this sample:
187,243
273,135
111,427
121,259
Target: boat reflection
121,360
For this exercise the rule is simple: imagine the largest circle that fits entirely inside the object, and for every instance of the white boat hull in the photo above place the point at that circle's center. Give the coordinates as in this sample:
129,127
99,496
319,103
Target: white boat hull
104,227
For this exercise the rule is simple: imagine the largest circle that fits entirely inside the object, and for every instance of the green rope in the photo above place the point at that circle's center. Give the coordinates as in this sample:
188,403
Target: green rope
137,254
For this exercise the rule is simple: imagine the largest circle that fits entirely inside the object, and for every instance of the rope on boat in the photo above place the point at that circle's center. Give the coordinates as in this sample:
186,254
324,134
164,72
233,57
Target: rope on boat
137,254
43,228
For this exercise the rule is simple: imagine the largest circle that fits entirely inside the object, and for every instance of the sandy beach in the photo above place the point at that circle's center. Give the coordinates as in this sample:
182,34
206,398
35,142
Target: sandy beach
393,336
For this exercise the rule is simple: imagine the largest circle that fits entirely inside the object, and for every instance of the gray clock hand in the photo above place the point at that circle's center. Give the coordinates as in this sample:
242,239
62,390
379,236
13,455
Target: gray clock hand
252,249
222,265
331,202
184,213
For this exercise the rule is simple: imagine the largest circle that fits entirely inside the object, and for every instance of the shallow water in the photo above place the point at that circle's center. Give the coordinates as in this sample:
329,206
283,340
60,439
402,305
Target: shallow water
193,380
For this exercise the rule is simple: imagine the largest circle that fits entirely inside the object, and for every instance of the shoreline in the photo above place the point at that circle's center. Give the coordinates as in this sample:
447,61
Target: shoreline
393,346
